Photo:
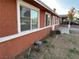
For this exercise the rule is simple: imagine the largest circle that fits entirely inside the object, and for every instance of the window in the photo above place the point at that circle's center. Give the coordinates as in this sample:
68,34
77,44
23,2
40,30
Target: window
28,18
24,18
56,20
48,19
34,18
53,20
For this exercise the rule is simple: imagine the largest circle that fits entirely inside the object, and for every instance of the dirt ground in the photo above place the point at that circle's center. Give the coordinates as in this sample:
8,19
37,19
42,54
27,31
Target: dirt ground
63,46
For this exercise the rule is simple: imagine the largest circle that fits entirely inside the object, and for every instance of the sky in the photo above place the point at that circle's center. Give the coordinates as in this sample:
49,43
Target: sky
62,6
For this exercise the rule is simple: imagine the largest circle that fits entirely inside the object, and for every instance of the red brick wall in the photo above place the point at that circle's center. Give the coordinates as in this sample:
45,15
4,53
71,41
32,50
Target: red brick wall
7,17
11,48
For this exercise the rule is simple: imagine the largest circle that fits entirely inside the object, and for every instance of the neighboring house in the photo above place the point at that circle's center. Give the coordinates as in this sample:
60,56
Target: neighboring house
76,14
22,22
64,18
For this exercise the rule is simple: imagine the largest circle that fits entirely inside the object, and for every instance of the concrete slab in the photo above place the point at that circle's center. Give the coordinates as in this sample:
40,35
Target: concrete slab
64,30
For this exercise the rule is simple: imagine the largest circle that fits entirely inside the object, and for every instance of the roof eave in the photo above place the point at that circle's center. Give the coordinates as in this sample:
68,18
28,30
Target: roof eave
45,6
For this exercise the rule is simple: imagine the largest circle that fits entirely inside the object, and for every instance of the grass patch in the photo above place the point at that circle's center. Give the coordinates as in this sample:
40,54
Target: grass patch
74,51
48,44
70,31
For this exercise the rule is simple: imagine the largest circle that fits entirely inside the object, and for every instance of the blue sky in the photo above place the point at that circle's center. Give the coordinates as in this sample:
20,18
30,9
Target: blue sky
69,3
62,6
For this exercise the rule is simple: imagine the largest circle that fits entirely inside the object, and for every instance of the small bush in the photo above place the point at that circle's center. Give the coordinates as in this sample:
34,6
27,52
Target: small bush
57,31
48,44
70,31
45,41
52,33
74,51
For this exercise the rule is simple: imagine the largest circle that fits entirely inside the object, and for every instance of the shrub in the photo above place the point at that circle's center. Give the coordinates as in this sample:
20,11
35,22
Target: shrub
57,31
74,51
52,33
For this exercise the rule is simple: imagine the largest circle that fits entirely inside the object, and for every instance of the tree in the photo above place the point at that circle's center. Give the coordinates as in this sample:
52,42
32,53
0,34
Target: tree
78,14
78,11
71,14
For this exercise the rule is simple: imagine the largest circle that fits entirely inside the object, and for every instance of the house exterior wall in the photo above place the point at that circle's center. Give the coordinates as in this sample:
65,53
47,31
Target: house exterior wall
12,48
42,18
56,23
8,26
8,17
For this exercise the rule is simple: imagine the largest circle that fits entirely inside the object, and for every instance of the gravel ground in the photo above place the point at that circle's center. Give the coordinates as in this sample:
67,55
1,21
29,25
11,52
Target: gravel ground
63,46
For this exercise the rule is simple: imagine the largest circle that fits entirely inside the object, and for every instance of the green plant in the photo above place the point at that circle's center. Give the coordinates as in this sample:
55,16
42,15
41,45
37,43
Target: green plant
45,41
71,14
48,44
52,33
58,31
70,31
74,51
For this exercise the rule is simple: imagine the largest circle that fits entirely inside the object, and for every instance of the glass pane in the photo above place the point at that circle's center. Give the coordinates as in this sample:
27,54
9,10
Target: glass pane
47,20
34,17
53,20
25,18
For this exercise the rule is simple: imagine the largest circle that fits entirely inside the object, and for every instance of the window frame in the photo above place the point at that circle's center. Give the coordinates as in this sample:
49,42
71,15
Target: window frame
29,19
31,7
37,17
18,33
52,20
49,20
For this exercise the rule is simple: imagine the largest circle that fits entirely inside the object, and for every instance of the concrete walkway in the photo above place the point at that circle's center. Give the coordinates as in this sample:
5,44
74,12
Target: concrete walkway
66,30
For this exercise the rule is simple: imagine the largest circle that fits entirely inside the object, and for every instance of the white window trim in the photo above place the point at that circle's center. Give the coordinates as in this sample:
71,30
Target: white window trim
18,16
45,19
55,20
11,37
19,34
50,19
22,3
38,19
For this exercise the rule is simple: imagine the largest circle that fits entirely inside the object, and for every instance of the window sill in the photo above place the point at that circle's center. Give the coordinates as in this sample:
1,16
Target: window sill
3,39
